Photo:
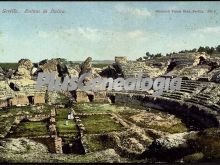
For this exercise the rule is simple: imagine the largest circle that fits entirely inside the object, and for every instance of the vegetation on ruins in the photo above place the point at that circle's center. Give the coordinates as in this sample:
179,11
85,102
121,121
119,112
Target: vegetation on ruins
65,99
115,126
95,143
100,127
63,128
206,49
96,124
31,129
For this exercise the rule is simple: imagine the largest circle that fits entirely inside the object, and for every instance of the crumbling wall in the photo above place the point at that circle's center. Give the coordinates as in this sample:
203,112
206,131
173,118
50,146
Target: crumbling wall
20,100
58,145
39,98
82,96
37,117
99,96
54,144
3,103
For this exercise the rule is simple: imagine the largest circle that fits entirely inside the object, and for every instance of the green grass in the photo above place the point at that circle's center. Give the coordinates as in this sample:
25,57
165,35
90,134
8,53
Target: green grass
94,143
62,113
178,128
64,129
13,110
105,108
5,124
45,110
93,108
31,129
96,124
17,111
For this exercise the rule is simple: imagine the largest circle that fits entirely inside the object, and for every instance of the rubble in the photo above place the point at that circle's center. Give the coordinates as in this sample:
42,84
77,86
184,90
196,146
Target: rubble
171,147
21,145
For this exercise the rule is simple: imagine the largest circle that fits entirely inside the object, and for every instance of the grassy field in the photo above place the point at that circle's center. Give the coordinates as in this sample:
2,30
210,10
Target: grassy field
178,128
7,116
93,108
171,128
31,129
5,125
96,124
15,111
105,108
94,143
62,113
64,129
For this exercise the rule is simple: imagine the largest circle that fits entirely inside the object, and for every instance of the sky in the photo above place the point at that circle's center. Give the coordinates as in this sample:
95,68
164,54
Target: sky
103,30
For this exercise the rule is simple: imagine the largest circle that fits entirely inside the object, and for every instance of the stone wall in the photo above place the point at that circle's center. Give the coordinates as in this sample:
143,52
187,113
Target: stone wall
39,98
82,96
81,129
100,97
20,99
54,144
3,103
37,117
97,96
58,145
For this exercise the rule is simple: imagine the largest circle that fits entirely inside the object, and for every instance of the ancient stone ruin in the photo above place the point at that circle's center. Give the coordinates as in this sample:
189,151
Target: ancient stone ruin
157,126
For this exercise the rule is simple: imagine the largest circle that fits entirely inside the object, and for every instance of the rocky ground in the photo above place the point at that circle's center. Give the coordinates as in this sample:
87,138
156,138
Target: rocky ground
125,144
180,147
25,150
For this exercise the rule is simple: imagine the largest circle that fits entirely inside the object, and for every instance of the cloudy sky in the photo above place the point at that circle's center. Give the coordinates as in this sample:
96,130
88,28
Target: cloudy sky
103,30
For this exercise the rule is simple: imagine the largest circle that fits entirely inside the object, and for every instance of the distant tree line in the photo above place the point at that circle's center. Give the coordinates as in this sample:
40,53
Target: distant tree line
149,56
206,49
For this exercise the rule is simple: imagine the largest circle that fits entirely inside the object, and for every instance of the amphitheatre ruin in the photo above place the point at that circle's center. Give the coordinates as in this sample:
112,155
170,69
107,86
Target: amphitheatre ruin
112,126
